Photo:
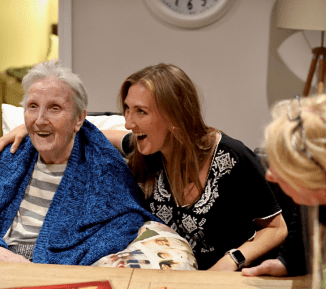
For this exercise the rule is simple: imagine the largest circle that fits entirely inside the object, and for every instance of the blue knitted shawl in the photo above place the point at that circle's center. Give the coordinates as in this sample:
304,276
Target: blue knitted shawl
95,211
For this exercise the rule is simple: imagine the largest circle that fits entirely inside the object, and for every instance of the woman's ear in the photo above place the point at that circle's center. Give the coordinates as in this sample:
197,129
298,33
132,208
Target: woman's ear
80,120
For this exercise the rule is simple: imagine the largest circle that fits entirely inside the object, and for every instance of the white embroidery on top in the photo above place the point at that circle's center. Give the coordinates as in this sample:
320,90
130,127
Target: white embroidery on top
174,227
221,165
152,206
159,189
207,199
192,243
202,222
224,162
165,214
189,223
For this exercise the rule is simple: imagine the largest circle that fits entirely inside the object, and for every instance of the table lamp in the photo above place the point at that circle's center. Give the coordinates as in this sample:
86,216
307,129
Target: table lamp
306,15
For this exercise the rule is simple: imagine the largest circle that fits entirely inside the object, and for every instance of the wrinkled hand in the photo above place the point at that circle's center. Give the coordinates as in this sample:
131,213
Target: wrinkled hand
273,267
8,256
15,136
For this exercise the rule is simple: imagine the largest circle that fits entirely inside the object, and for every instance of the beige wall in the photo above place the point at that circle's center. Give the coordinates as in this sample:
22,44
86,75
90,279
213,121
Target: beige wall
234,61
25,27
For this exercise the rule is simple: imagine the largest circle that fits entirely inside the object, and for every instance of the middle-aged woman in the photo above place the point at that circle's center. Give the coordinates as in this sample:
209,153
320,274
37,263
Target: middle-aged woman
66,195
205,185
295,143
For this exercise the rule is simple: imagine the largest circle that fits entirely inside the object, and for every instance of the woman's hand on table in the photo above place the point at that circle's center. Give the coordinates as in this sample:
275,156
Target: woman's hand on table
8,256
15,136
272,267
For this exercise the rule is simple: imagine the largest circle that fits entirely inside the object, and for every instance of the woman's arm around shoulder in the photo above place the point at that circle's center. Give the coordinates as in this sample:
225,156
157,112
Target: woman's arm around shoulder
115,137
15,136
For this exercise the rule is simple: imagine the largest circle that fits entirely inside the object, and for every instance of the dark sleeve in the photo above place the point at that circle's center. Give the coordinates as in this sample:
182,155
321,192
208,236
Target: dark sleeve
292,252
126,144
322,215
255,192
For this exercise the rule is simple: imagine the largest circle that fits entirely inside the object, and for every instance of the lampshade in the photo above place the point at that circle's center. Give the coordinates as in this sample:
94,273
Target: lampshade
301,14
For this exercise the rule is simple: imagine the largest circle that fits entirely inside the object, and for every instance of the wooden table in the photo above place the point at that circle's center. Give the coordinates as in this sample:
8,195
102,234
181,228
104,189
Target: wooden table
18,275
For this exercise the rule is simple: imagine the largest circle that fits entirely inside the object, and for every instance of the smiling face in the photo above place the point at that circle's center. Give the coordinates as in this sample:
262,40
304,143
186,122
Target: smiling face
144,119
304,196
50,119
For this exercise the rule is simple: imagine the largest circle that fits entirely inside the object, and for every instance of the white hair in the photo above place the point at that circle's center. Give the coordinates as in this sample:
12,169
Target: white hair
53,69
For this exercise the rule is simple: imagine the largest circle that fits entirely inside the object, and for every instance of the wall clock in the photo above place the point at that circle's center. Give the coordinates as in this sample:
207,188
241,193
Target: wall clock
189,13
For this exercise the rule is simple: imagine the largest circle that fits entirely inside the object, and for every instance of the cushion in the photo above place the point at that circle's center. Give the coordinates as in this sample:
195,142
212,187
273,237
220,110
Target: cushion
13,116
156,247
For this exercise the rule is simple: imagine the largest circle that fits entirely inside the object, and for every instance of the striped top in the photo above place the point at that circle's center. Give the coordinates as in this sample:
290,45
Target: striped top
29,219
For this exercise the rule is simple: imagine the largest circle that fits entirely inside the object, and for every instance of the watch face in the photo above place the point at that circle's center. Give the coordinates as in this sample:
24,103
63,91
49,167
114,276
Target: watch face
189,7
238,256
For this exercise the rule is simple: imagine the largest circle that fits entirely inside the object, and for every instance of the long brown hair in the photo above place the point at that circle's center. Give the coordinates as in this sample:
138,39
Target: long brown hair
177,100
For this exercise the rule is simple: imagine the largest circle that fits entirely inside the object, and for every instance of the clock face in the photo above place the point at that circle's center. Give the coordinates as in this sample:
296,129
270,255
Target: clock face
190,7
189,13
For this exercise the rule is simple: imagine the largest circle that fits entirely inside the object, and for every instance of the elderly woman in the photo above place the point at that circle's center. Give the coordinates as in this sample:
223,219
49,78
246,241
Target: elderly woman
61,193
295,143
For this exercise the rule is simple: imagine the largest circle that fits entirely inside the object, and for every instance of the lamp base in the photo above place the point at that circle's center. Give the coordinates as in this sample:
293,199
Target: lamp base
319,53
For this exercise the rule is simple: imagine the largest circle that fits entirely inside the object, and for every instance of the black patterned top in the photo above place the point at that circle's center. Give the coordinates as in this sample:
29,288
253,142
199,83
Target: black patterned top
235,194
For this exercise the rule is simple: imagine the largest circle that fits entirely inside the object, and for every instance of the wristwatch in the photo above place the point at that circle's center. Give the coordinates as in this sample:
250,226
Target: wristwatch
237,257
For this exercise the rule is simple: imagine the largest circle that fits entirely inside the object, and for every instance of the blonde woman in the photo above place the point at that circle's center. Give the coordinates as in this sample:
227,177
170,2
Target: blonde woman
295,143
207,186
296,149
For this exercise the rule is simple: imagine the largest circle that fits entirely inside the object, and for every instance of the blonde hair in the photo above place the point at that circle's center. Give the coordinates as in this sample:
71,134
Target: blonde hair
178,102
291,164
